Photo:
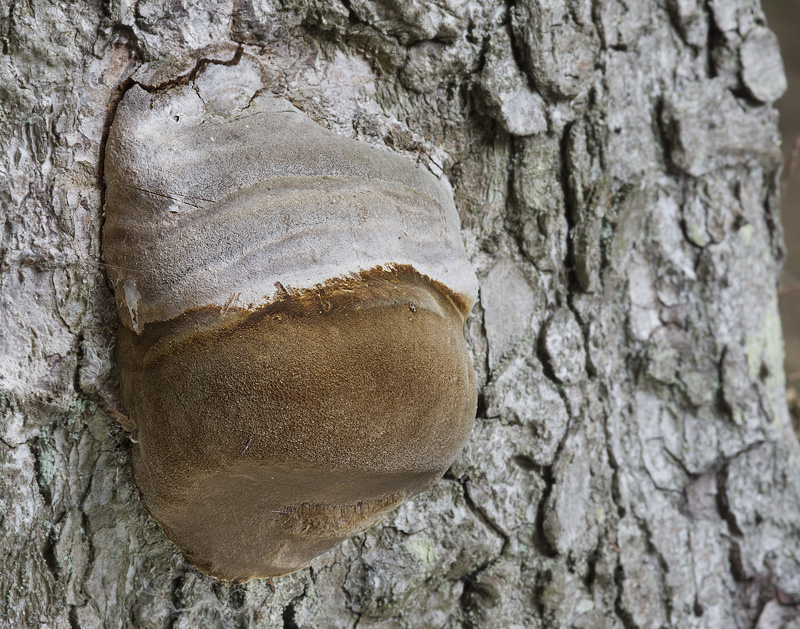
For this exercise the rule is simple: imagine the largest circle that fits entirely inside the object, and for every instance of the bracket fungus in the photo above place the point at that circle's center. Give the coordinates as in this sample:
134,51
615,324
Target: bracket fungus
291,354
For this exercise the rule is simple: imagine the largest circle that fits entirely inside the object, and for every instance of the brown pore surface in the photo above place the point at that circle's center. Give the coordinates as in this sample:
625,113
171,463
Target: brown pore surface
266,437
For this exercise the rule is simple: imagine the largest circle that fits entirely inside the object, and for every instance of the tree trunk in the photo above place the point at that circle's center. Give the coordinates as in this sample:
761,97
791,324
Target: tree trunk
615,165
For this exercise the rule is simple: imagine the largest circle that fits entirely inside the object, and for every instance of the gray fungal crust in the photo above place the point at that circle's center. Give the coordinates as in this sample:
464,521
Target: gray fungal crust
225,207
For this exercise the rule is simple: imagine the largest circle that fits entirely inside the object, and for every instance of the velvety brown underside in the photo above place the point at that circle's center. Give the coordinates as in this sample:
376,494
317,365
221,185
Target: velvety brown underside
266,437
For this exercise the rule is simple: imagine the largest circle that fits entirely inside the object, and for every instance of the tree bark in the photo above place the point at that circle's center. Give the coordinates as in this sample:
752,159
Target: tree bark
615,165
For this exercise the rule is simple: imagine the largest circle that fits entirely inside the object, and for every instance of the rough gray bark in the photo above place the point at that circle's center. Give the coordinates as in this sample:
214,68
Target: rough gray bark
616,171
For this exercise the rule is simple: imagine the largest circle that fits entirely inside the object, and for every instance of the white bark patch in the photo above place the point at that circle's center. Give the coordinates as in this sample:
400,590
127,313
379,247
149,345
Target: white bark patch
522,394
644,315
508,493
507,94
762,66
509,304
567,522
563,344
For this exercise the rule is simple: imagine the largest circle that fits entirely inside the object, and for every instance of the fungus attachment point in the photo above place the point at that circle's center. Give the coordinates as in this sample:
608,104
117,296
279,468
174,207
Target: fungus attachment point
291,353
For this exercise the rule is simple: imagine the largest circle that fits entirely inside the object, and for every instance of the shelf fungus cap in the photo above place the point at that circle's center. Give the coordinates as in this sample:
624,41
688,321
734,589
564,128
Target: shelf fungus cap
291,353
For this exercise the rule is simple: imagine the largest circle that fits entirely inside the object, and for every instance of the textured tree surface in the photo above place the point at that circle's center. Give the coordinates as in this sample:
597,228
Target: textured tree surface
615,167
